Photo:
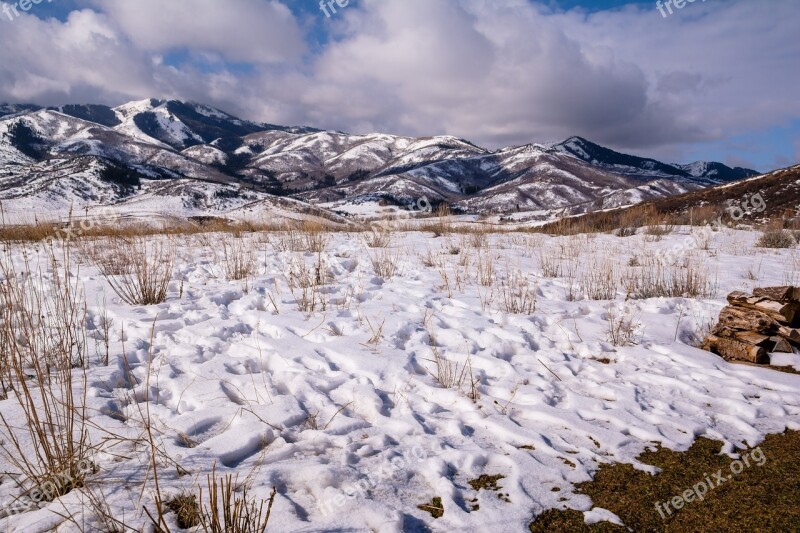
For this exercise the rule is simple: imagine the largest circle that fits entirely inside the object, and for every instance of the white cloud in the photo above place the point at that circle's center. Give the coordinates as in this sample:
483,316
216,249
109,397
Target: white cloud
263,31
717,68
514,72
51,62
494,72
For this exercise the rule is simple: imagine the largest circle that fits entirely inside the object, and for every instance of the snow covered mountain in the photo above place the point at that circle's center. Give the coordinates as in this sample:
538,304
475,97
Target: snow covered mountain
700,172
7,110
77,155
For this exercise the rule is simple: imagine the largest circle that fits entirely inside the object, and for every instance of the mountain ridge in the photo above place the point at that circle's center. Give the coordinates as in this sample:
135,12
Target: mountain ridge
156,139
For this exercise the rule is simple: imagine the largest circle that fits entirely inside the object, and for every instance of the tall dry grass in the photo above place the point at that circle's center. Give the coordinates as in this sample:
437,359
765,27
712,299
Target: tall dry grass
378,237
137,269
231,508
307,283
385,262
485,270
655,277
549,261
315,235
44,353
238,259
449,374
599,279
517,293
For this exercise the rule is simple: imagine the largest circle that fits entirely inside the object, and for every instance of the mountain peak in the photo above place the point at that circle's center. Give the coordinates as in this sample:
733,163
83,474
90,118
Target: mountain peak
577,139
708,173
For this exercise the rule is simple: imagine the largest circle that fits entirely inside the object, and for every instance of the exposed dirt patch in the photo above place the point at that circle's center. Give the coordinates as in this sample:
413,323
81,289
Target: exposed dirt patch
764,496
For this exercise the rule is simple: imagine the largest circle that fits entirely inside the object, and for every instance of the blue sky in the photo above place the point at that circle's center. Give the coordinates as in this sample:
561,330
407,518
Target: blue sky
714,80
61,8
56,8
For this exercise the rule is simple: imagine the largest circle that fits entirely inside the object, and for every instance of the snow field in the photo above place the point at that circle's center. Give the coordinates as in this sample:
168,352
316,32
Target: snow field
318,376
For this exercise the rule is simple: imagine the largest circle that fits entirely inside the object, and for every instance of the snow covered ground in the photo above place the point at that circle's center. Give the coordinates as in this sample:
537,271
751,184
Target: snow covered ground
340,408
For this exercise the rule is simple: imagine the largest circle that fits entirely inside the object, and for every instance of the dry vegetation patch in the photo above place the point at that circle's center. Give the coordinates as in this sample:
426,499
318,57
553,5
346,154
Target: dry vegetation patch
760,498
776,239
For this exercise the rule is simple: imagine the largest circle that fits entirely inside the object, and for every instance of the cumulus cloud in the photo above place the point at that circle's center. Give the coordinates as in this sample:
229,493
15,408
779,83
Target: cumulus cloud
82,58
718,68
112,53
516,71
497,73
263,31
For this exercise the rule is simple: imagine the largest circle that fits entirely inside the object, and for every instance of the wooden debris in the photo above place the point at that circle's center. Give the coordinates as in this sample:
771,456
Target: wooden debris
790,334
738,319
781,345
782,312
779,294
756,339
731,349
753,326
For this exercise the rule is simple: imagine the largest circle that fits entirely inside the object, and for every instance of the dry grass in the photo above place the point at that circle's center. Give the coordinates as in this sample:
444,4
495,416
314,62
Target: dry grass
630,493
385,263
623,327
75,228
659,231
315,236
307,284
44,351
442,223
238,259
38,231
791,269
108,520
572,266
625,231
549,262
144,276
625,221
485,269
776,239
231,508
429,259
304,236
288,239
659,216
479,237
378,237
599,280
102,334
448,374
186,509
753,272
517,294
105,252
655,277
